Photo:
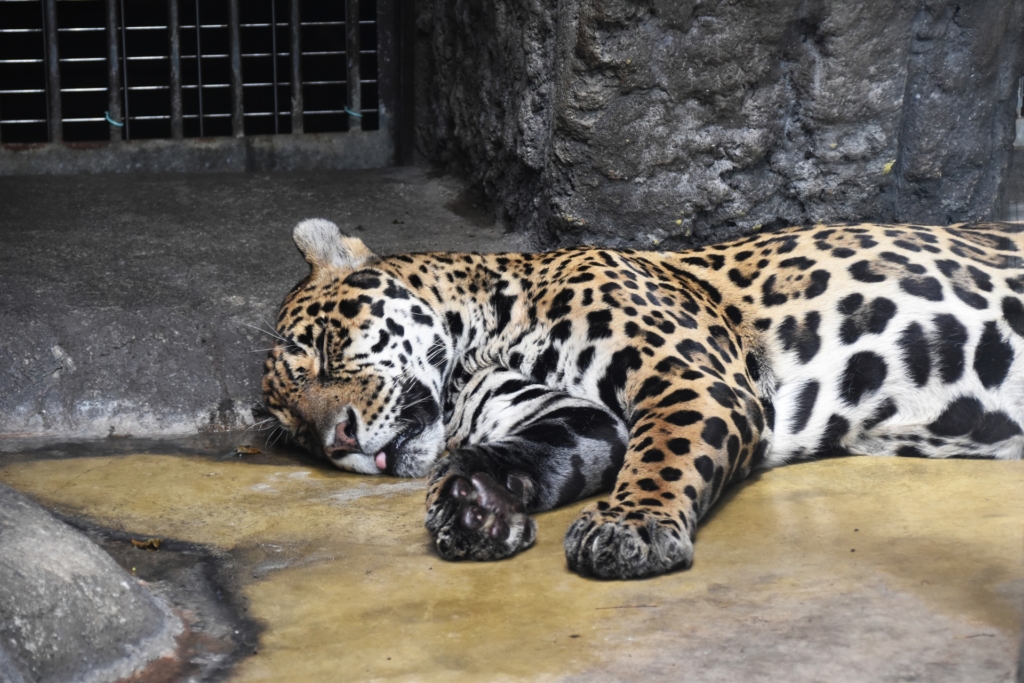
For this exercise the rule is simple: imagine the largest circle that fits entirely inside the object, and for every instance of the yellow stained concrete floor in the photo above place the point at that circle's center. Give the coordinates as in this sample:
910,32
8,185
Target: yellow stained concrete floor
844,570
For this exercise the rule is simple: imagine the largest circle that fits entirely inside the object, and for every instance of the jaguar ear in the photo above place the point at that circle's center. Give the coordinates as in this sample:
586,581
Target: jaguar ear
323,246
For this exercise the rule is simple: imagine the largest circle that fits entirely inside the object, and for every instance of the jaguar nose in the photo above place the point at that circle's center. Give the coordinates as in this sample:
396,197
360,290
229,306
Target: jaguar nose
344,438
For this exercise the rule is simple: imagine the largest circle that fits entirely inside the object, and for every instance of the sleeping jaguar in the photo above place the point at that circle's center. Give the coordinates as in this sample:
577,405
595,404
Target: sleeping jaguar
521,382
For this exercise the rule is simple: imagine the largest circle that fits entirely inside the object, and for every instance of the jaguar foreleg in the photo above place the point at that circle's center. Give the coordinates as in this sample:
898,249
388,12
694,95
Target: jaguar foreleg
561,449
689,440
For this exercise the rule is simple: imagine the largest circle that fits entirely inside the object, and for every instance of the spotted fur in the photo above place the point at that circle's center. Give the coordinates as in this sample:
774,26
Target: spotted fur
657,377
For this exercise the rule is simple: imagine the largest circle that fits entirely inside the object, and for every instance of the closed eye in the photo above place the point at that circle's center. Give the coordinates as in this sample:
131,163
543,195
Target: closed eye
323,374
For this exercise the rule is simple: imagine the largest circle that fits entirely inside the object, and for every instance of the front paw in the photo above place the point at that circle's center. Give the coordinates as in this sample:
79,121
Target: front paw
476,518
609,543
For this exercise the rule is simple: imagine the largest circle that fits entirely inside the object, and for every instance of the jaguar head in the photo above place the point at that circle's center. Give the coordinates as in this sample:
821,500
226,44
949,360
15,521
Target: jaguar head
358,368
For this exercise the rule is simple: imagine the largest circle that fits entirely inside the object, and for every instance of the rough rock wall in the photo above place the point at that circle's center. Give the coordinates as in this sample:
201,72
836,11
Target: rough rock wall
675,122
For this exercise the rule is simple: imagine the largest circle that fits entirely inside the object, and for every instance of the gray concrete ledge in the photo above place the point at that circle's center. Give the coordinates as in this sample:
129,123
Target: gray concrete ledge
138,304
260,153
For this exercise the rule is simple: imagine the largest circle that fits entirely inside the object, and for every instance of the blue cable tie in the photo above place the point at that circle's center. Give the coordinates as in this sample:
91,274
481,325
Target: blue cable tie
112,121
352,113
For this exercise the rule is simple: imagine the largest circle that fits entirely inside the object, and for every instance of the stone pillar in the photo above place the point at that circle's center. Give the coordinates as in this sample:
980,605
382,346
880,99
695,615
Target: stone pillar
675,122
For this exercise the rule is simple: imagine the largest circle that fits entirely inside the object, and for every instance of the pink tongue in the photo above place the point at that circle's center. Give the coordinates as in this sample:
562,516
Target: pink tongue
381,461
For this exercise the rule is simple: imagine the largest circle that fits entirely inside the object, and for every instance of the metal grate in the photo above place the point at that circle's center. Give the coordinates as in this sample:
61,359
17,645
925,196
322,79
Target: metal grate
89,70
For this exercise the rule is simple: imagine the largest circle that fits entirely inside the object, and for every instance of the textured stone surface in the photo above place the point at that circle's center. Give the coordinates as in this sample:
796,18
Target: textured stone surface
676,122
67,611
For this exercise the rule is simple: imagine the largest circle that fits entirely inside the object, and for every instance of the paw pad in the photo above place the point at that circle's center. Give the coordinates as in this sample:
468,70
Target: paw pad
477,518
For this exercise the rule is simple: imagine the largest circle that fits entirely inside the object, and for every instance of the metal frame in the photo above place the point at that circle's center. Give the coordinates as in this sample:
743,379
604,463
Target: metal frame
393,81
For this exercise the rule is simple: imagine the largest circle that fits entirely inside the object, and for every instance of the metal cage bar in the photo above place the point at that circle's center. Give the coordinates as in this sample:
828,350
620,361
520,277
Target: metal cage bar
273,63
174,35
352,55
235,40
296,61
124,76
199,69
53,115
113,71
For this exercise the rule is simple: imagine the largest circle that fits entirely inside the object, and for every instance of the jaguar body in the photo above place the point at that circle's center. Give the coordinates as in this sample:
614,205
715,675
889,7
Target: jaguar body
521,382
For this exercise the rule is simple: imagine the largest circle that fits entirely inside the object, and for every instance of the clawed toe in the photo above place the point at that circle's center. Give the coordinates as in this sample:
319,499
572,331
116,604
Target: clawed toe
630,546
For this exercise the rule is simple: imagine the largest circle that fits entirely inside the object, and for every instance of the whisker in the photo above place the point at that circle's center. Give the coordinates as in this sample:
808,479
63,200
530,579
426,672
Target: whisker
272,332
410,421
416,402
276,434
261,426
434,355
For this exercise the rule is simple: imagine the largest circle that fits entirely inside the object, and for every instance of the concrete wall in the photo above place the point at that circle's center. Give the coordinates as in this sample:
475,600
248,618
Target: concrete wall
673,122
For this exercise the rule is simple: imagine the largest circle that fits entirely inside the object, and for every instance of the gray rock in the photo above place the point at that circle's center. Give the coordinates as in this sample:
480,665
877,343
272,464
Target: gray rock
675,122
68,612
1020,663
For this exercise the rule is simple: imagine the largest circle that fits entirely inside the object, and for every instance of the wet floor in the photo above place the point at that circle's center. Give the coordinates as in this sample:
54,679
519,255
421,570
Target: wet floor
855,569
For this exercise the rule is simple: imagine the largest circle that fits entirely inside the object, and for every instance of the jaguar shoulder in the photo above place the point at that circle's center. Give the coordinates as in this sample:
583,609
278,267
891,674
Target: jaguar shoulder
521,382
